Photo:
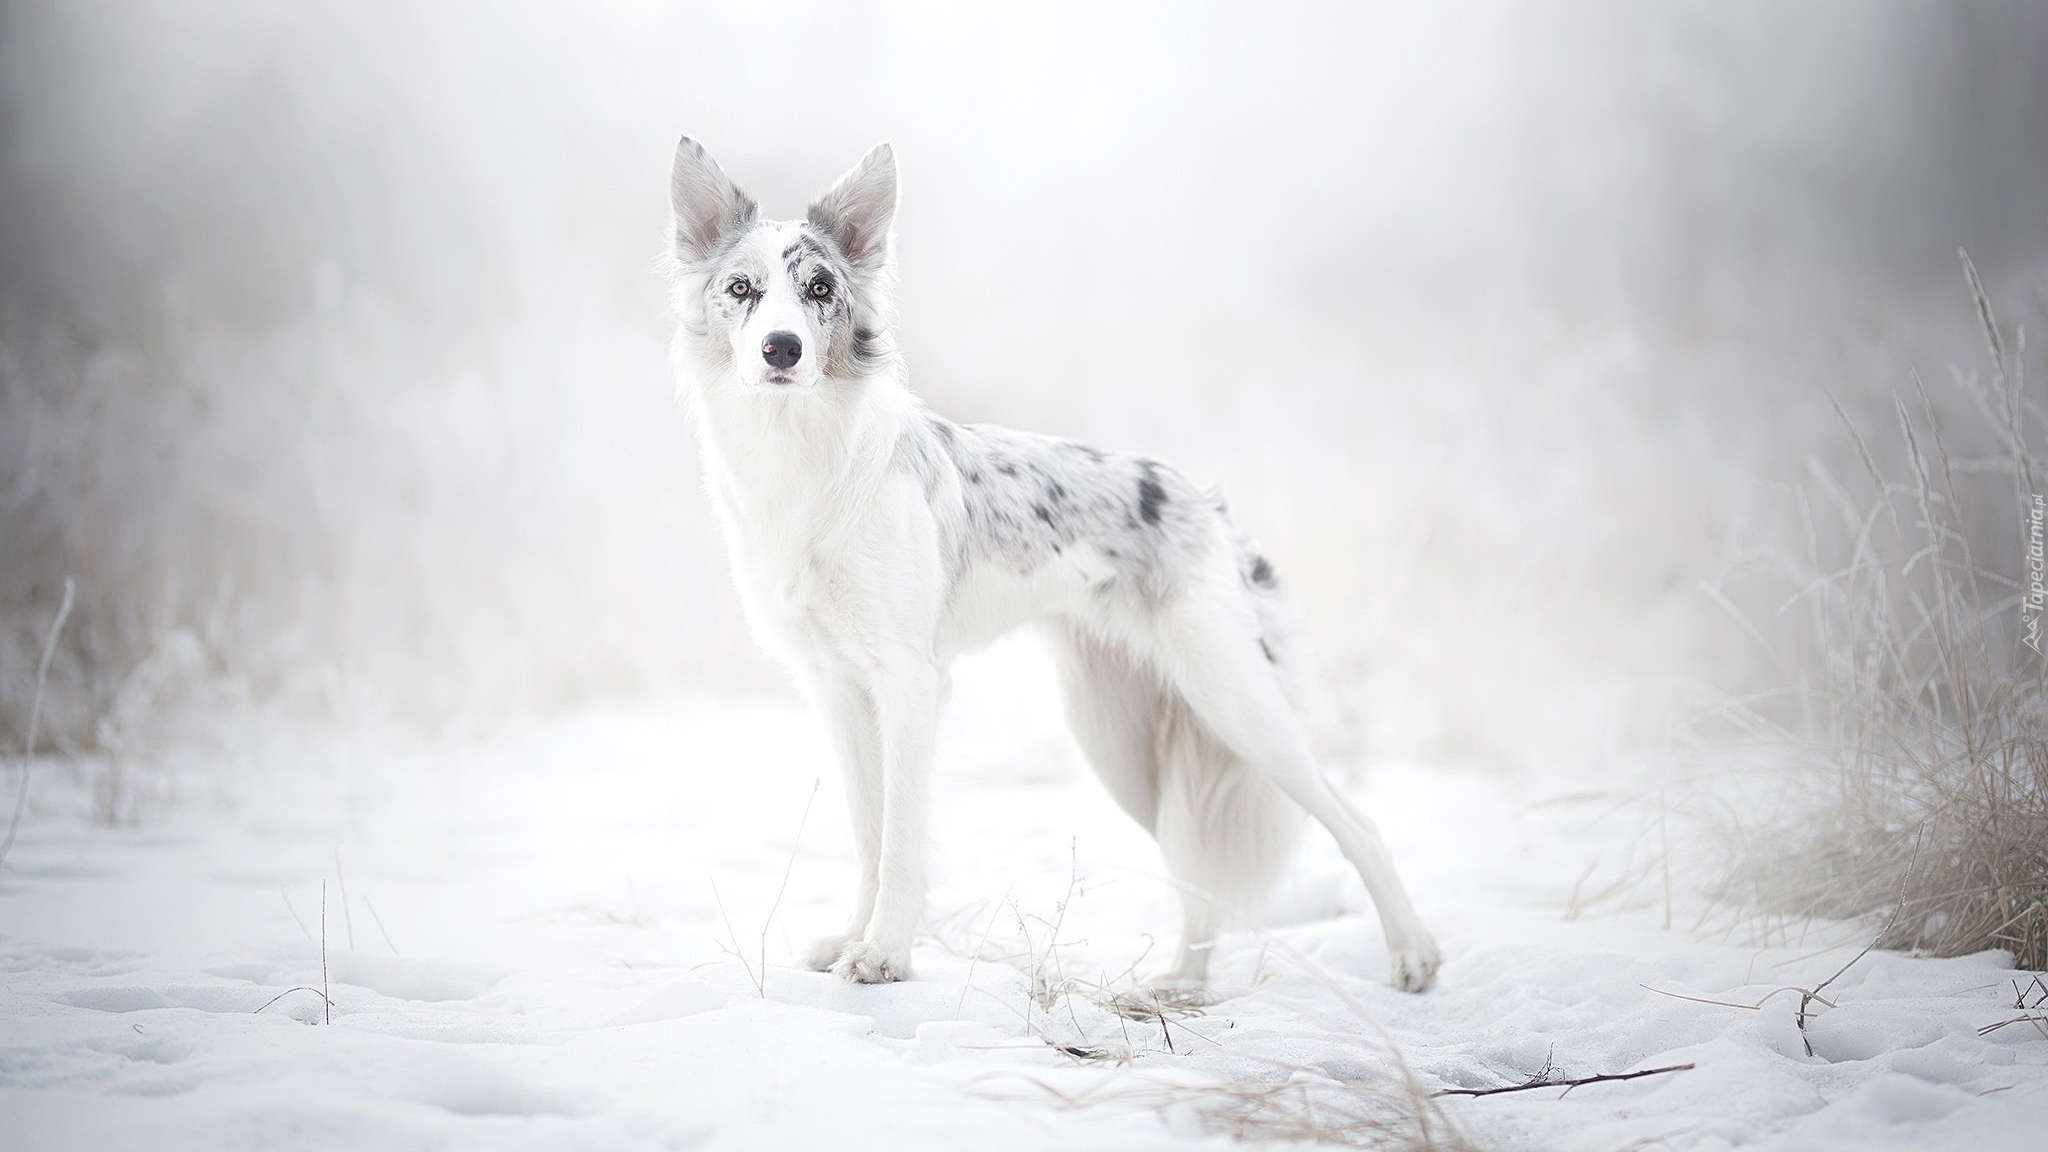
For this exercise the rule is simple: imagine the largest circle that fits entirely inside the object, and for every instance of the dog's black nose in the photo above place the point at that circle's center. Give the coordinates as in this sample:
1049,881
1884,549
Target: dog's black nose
782,349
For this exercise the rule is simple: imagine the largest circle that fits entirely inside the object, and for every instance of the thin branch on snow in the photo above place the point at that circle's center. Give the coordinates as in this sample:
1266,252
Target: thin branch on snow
1544,1082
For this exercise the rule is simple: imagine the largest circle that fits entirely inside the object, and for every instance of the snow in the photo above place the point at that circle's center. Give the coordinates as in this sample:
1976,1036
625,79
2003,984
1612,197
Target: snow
577,931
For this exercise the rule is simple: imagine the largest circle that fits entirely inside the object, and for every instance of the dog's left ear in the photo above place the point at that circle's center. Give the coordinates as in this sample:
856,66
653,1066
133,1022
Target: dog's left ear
860,210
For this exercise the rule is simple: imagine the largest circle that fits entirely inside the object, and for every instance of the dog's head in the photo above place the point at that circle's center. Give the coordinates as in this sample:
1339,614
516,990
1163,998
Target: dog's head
785,305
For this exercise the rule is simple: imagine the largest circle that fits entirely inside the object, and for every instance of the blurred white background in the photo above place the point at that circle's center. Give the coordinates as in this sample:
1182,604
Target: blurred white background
332,349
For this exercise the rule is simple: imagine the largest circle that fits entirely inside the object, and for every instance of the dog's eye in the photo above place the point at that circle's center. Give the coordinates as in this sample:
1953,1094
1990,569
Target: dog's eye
739,289
821,289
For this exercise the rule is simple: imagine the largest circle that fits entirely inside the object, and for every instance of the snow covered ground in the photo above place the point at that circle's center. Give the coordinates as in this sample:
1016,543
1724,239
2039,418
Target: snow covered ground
558,934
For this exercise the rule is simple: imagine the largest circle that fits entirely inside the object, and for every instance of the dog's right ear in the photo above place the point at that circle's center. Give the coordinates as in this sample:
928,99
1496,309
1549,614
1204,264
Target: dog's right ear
859,211
707,205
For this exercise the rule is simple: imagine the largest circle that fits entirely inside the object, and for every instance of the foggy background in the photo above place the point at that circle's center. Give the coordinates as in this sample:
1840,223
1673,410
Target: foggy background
332,353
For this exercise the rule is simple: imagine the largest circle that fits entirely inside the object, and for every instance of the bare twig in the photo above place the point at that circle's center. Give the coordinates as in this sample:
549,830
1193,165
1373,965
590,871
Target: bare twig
1808,996
2035,988
975,956
328,1005
35,714
348,920
2040,1024
289,991
1723,1003
759,981
379,921
787,868
758,976
1575,1082
287,898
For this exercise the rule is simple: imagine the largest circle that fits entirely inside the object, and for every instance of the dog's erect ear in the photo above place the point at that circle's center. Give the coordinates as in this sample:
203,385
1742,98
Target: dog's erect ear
861,208
708,206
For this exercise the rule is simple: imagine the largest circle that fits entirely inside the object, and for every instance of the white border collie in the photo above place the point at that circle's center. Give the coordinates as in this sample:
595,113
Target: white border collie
873,542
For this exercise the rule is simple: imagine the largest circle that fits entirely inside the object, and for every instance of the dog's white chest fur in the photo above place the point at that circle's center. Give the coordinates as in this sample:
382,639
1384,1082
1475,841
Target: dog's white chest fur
804,524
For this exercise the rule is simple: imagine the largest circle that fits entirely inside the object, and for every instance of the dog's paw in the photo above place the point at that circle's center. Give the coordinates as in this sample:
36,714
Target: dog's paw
1415,963
826,950
866,962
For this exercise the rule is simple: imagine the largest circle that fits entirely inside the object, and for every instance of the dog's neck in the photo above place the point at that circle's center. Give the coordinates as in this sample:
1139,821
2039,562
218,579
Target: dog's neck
774,458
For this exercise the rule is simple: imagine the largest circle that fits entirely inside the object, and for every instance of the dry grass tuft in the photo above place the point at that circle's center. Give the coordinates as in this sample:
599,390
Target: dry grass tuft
1924,723
1312,1108
1143,1049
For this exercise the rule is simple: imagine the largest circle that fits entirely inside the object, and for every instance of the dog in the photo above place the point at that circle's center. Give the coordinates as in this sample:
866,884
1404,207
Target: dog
872,542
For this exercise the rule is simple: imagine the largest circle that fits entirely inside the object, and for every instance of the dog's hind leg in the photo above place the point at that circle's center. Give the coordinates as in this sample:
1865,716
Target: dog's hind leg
1113,707
1223,831
1210,646
848,711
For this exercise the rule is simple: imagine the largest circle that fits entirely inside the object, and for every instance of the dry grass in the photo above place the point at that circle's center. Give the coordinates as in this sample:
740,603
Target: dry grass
28,753
1312,1108
1143,1048
1920,740
1286,1103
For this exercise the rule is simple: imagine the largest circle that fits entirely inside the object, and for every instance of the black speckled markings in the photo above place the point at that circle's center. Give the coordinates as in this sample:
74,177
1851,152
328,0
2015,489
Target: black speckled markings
1025,499
1150,495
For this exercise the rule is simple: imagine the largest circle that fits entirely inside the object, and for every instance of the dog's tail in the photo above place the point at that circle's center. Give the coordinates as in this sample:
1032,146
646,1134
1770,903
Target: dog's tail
1225,830
1223,825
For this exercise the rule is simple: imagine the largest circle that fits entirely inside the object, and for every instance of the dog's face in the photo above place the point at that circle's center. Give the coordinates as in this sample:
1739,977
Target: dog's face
784,306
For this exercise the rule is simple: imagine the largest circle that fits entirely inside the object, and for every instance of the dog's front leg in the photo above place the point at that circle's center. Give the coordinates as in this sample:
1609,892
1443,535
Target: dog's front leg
847,709
907,693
